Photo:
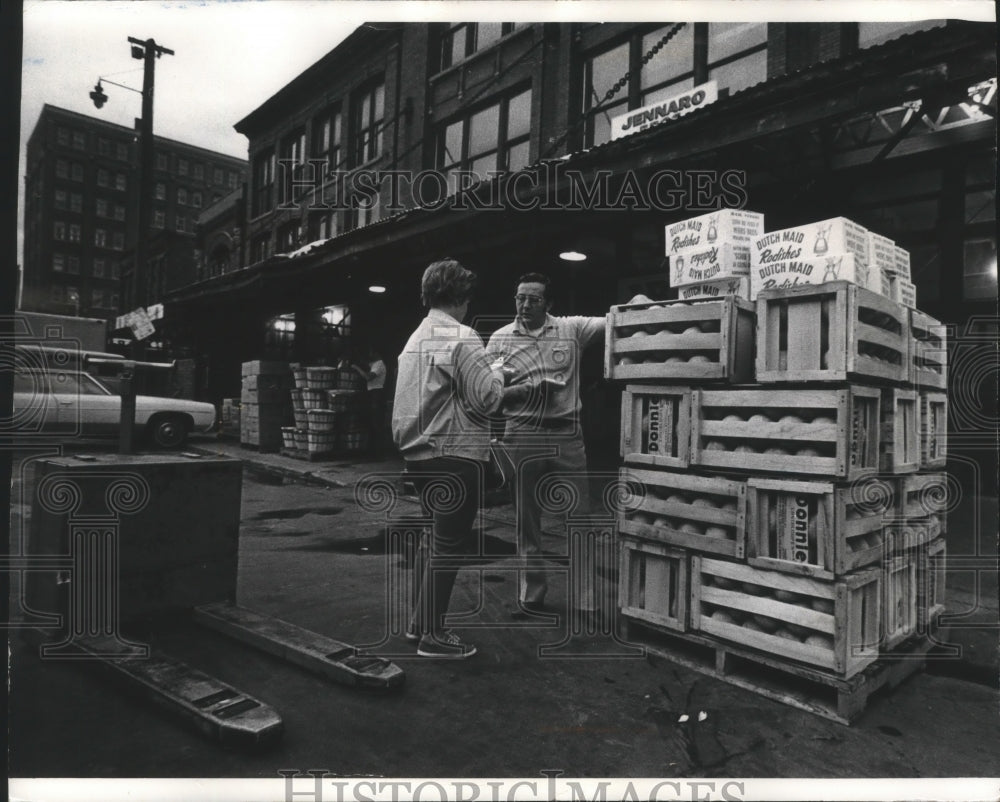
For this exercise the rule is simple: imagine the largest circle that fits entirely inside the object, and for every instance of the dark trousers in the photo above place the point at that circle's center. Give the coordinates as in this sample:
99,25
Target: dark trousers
449,490
376,419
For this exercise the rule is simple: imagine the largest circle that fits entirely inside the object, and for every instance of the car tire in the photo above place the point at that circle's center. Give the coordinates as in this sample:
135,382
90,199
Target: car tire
168,431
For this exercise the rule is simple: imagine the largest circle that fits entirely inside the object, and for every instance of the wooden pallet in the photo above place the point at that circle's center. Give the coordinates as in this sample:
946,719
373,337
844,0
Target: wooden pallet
669,341
826,695
899,445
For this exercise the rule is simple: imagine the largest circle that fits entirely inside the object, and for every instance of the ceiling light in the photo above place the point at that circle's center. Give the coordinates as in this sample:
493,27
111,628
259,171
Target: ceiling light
376,288
572,256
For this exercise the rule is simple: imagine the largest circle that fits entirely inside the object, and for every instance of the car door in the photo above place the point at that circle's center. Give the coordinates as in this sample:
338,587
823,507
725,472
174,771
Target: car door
99,409
34,406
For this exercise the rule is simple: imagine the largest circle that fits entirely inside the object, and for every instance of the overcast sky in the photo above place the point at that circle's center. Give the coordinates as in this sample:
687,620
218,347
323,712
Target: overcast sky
231,55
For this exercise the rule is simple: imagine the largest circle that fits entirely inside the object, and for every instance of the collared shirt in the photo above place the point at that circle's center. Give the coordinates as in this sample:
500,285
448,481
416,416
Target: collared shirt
554,353
445,392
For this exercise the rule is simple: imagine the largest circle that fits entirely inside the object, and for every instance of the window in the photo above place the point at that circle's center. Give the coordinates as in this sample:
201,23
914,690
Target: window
101,238
196,200
119,241
159,220
182,166
103,178
119,212
326,137
322,226
79,140
875,33
76,172
259,248
492,139
74,232
120,183
369,109
58,293
233,180
103,146
121,151
62,135
76,202
161,191
182,196
58,263
100,267
180,223
60,198
263,183
116,272
465,38
734,54
114,301
73,265
97,298
62,168
102,207
162,162
59,230
216,175
290,166
199,172
289,236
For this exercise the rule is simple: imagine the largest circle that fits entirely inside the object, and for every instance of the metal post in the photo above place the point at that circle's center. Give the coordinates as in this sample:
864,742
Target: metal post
126,422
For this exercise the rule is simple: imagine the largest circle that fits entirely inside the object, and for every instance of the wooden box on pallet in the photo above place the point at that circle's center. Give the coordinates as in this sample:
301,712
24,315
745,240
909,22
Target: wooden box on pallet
678,341
656,426
933,430
931,573
928,352
816,529
899,599
900,441
705,513
830,332
830,624
824,431
922,501
653,583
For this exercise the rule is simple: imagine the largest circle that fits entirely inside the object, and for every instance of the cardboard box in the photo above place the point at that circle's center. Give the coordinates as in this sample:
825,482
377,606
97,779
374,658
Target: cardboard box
902,263
708,263
725,225
720,288
817,270
881,252
838,235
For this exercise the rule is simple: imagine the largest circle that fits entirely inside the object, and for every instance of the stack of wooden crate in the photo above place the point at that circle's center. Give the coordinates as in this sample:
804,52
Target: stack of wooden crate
793,527
263,404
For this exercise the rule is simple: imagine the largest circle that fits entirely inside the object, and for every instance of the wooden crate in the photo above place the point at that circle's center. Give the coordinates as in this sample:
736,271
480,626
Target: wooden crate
816,529
928,352
709,340
899,445
899,599
933,430
681,509
824,431
830,332
656,426
653,583
922,501
931,575
830,624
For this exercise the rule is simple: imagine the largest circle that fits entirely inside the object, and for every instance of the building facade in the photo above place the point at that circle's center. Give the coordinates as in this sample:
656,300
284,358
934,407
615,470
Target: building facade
80,209
494,143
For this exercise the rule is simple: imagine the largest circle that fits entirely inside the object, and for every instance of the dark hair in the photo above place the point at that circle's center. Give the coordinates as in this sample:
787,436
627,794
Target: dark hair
538,278
446,283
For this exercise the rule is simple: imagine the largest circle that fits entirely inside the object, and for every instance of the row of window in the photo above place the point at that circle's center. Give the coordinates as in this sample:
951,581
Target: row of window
185,197
74,172
99,268
99,298
181,223
73,202
196,170
78,141
463,39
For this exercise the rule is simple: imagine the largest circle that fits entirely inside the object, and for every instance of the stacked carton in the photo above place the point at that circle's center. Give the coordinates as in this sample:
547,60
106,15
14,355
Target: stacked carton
263,404
328,414
710,255
792,523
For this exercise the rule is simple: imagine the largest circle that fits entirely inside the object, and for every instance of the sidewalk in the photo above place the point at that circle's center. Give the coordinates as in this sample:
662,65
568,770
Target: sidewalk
971,586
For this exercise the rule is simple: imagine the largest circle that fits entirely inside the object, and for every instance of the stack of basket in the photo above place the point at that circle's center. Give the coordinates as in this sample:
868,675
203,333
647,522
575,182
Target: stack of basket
263,404
795,525
327,411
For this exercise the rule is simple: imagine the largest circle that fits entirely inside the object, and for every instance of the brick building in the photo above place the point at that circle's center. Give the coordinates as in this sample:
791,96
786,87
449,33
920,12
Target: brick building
888,124
81,210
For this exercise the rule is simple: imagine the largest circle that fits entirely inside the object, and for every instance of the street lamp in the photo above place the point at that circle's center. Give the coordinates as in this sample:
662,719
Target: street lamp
147,51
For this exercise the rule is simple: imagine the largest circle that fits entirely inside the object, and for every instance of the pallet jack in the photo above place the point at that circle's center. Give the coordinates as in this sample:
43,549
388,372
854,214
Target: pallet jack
120,538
